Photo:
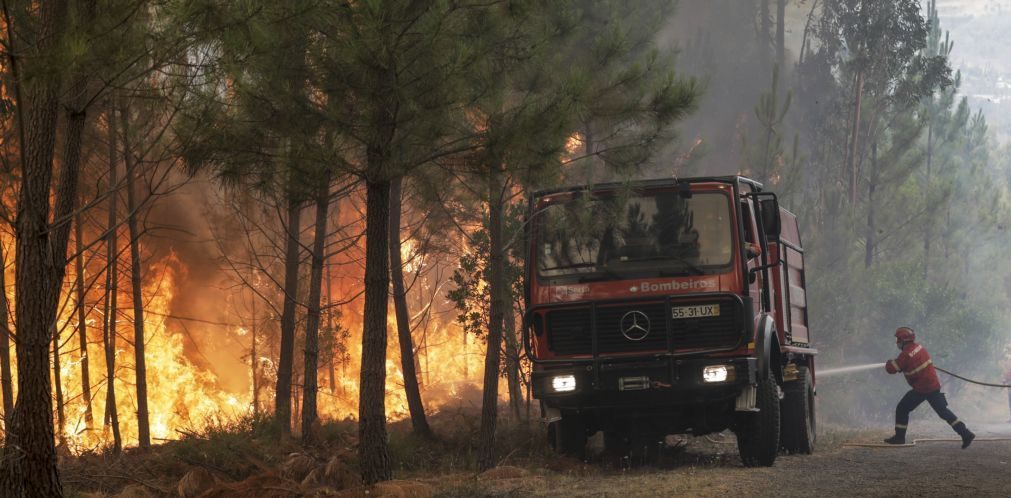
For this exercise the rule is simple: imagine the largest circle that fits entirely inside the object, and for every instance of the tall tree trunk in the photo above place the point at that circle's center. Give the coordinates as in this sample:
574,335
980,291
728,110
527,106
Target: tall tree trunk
781,34
512,361
765,26
136,281
61,413
282,407
6,381
253,361
40,257
869,244
807,30
928,233
496,291
851,158
82,324
296,396
311,368
407,364
373,451
111,291
329,325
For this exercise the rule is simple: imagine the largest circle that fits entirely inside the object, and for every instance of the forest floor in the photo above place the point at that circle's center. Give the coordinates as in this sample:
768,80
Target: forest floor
707,469
245,461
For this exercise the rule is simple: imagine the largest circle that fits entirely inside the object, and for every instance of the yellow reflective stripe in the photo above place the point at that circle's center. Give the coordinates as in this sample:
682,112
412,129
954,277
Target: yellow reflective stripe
900,426
915,350
895,365
955,422
921,367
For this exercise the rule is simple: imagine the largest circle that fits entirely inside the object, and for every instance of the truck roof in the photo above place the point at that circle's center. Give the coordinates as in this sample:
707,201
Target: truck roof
658,182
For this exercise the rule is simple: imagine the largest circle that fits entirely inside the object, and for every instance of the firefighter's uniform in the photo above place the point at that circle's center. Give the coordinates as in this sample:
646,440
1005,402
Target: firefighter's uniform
914,362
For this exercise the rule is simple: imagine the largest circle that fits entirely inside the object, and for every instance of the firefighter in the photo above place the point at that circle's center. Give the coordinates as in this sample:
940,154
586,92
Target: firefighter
914,362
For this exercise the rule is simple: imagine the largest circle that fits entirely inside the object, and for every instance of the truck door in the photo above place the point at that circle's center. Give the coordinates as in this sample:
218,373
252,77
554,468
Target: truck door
751,238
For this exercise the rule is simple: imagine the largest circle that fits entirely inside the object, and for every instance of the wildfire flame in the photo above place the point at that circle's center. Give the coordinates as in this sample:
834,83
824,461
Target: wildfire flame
185,394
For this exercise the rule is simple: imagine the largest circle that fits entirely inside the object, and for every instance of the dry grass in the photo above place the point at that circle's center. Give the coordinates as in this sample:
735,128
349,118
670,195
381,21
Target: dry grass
245,458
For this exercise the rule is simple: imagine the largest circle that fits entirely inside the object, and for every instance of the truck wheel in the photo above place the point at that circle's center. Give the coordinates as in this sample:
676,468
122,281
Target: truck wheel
567,436
798,429
758,433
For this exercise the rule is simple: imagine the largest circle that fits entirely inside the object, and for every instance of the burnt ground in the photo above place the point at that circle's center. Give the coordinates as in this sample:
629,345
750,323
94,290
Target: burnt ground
710,467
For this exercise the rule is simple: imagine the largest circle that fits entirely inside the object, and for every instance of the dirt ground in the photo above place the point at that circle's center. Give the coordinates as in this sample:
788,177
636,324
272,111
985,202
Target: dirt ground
710,467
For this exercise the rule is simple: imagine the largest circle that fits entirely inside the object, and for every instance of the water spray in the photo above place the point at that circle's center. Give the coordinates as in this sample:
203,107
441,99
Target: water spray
850,369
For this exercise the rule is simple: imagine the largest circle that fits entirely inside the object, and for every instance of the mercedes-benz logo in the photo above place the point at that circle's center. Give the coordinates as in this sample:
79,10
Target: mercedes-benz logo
635,325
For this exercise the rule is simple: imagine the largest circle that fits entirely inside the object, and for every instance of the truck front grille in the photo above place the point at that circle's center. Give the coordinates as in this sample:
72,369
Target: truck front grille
570,330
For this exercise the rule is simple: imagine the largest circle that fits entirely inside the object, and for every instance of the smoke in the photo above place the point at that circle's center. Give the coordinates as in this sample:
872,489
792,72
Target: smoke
204,307
958,309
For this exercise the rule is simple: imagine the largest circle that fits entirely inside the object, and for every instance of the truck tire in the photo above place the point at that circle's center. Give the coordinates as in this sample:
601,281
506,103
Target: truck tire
758,433
567,436
798,432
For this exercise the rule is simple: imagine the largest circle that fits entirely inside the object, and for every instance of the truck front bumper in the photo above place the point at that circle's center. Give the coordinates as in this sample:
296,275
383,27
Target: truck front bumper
653,382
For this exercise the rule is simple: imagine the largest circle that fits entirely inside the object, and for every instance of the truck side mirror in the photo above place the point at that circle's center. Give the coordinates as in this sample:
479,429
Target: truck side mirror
770,217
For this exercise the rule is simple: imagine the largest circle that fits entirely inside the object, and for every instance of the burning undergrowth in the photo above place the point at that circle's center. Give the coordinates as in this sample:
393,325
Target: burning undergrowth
212,331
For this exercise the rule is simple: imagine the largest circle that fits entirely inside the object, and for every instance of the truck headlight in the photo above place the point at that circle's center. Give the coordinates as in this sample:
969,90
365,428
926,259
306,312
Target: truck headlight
718,373
563,383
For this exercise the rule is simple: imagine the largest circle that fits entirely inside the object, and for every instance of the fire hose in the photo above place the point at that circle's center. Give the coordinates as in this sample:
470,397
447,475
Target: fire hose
930,440
1005,386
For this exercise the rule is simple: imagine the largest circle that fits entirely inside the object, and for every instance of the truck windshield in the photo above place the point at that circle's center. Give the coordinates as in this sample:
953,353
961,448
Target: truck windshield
629,235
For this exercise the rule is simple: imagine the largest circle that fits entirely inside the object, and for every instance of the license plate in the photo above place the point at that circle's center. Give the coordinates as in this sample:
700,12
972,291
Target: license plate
698,311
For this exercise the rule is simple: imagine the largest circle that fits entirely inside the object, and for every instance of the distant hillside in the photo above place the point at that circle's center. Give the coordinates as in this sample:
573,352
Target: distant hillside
981,30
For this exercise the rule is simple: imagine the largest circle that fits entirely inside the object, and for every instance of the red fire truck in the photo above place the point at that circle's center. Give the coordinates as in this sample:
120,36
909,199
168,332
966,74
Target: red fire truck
672,306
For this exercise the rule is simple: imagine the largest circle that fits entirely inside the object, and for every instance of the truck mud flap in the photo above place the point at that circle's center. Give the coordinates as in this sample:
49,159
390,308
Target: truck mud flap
747,400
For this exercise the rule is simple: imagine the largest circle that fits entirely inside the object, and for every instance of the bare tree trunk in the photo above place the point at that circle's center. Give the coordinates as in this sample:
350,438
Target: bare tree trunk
111,289
851,164
512,362
765,23
311,368
496,291
61,414
807,30
40,255
282,407
407,364
252,353
781,34
82,324
6,380
329,325
136,280
373,451
466,364
869,244
296,396
928,233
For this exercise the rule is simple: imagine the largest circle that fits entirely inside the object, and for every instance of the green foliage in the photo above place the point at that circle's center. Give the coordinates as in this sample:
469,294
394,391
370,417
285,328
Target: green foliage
334,339
470,295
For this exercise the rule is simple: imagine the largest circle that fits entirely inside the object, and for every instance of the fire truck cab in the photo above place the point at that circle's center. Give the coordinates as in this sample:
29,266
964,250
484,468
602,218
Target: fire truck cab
673,306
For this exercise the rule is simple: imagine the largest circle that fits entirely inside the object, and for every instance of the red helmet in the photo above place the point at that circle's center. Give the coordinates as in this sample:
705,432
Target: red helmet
905,334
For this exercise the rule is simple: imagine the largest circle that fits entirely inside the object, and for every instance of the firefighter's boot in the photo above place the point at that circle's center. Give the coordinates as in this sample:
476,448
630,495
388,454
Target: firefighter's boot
898,438
967,435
